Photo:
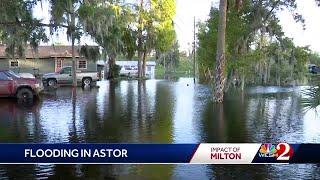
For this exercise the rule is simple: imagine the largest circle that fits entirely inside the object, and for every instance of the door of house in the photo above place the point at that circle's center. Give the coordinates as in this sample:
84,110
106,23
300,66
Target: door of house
58,64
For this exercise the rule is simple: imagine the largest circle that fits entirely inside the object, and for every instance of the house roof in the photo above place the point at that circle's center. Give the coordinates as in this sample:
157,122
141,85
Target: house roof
44,52
134,63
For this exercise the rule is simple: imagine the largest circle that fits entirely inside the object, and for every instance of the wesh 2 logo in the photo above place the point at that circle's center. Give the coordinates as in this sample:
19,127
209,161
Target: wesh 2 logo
281,151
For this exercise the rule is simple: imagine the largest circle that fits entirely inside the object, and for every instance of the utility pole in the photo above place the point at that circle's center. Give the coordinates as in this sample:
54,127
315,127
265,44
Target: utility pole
194,49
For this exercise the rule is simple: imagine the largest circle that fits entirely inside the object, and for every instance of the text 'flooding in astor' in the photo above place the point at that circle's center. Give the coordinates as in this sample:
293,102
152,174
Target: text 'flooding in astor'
75,153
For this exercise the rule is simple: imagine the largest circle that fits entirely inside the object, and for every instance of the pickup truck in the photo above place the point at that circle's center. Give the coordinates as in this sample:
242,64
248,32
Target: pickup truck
12,85
64,76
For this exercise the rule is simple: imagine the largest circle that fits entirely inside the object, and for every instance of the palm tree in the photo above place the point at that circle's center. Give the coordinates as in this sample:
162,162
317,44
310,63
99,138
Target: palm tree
220,57
221,48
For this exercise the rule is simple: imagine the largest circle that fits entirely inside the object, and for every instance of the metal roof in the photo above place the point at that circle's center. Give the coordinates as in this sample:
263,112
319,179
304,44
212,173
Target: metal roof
45,52
128,63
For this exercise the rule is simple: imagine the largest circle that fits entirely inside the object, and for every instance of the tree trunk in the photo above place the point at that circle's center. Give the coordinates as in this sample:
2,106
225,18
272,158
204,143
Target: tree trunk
243,83
144,62
106,67
220,59
74,70
140,54
164,67
112,63
140,41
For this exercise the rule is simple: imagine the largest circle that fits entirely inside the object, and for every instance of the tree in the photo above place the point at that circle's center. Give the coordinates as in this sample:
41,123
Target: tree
64,14
252,31
155,29
220,56
314,58
18,27
108,24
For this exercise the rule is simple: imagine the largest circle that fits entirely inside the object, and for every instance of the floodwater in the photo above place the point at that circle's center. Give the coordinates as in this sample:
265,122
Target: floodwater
159,111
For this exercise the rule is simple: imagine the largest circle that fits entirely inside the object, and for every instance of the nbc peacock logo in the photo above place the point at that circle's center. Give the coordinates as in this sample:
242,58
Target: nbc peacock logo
268,150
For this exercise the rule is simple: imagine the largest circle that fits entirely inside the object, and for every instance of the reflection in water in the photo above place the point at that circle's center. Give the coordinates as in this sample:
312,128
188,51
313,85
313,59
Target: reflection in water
157,111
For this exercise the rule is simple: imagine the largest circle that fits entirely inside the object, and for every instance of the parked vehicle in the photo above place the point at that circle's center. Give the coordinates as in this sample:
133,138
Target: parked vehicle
12,85
64,76
128,71
27,75
314,69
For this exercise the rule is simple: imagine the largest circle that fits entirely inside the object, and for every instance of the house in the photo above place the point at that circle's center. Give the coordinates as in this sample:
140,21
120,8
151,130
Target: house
45,59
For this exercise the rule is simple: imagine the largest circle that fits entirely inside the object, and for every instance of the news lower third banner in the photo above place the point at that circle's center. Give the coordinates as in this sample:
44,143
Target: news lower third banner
203,153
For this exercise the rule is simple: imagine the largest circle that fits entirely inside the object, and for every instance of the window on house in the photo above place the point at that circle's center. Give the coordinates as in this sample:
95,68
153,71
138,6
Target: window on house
14,64
82,64
149,68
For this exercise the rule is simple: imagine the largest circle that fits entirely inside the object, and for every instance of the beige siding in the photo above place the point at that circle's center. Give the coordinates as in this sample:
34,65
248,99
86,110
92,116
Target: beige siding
91,65
29,65
44,65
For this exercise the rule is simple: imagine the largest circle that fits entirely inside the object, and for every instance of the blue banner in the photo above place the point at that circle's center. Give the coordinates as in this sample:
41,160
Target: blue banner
96,153
204,153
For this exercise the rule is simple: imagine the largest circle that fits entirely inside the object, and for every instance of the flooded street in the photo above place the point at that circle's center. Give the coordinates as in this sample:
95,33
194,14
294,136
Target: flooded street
159,111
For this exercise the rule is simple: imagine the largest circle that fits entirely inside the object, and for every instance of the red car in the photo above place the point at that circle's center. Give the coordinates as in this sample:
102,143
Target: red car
12,85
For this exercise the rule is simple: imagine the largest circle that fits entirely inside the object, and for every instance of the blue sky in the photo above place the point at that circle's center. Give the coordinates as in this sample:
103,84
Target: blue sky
188,9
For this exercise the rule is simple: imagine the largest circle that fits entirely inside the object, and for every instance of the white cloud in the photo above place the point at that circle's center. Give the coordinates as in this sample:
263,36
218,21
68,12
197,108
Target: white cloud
311,14
186,11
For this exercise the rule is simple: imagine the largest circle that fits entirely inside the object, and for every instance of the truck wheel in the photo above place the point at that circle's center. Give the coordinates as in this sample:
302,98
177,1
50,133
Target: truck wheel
52,82
25,94
86,82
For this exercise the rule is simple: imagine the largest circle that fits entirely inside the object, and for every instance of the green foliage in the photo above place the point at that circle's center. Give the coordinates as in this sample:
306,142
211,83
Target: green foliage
153,26
207,46
314,58
163,13
311,99
64,14
108,24
19,27
183,69
90,52
171,57
257,51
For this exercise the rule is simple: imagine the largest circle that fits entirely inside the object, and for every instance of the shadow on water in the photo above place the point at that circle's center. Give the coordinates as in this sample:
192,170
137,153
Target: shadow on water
158,111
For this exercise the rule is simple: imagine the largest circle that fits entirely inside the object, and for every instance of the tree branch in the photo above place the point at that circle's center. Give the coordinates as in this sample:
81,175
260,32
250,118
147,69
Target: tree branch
34,24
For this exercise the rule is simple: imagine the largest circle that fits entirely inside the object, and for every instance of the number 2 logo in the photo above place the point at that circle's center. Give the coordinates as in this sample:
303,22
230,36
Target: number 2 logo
285,151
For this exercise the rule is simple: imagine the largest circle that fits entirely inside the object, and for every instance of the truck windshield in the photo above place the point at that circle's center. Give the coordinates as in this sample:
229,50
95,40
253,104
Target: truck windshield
66,70
12,74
